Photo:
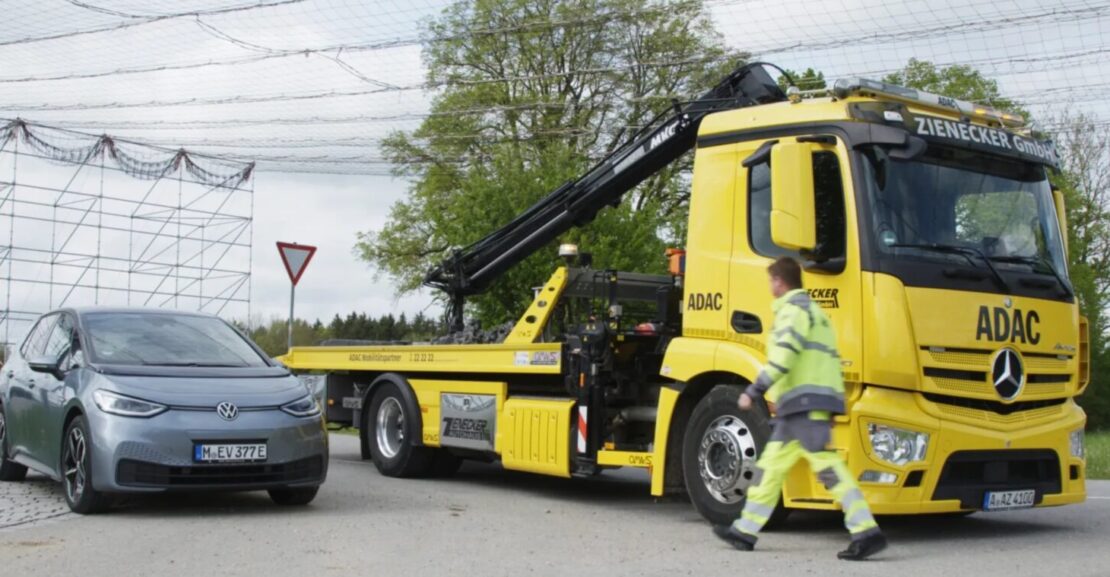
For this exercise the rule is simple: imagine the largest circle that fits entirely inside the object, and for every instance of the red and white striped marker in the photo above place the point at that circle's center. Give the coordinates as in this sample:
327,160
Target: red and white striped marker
582,416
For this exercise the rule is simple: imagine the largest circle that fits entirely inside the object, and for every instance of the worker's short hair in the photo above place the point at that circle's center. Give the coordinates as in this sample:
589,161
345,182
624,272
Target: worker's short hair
788,271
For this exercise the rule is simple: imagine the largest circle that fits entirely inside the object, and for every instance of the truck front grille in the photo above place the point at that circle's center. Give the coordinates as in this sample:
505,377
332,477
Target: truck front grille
995,411
967,475
966,372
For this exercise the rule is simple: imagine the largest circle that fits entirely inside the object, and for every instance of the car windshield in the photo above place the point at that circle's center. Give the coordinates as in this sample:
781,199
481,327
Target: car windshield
161,339
957,205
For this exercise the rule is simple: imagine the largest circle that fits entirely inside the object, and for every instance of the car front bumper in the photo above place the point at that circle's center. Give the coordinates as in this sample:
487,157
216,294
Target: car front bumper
156,454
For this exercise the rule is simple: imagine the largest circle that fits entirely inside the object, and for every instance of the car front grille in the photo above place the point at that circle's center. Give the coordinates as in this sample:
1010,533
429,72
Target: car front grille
140,474
968,475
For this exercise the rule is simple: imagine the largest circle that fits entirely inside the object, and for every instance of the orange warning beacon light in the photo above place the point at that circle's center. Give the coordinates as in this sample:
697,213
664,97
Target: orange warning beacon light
676,261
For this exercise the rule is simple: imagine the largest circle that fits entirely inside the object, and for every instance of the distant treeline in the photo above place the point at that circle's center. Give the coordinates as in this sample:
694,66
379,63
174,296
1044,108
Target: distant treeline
272,336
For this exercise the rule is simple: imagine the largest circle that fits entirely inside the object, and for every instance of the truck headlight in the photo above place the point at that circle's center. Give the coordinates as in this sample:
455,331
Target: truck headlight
1075,440
897,446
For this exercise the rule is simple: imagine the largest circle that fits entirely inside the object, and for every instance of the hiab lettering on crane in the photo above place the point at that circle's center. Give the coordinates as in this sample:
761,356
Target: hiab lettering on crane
999,324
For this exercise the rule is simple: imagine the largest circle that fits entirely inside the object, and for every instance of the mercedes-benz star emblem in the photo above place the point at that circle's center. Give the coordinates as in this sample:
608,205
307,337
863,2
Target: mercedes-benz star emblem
1007,374
227,411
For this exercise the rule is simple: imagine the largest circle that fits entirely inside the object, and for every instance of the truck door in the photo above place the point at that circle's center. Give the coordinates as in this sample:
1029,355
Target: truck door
832,275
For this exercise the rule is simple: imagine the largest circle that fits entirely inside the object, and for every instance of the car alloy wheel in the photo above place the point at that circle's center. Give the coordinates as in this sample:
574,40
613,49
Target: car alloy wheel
74,463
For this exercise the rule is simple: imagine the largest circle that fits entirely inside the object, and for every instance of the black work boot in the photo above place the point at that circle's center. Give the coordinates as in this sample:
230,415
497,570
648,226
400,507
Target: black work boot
735,538
860,549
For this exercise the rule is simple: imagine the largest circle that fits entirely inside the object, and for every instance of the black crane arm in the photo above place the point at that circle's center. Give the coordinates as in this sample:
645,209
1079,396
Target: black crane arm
470,270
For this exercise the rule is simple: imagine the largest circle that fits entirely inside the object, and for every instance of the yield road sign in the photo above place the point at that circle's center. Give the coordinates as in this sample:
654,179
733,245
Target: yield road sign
295,257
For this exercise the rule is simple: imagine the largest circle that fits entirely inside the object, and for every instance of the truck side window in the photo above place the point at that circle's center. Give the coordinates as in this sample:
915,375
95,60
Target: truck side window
828,197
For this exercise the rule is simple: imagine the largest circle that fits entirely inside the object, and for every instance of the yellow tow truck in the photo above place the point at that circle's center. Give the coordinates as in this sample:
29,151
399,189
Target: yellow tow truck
929,233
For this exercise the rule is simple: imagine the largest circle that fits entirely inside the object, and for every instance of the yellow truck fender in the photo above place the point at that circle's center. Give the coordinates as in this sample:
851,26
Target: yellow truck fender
738,360
686,361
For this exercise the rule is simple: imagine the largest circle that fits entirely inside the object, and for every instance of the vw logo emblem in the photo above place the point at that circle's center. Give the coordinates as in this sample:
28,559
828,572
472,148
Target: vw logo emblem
227,411
1007,374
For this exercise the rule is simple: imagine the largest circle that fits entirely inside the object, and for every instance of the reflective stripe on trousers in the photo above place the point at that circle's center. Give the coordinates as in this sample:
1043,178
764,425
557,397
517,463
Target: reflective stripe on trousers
776,462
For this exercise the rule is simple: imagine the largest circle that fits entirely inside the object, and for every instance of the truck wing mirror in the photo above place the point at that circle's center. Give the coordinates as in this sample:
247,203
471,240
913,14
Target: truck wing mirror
793,211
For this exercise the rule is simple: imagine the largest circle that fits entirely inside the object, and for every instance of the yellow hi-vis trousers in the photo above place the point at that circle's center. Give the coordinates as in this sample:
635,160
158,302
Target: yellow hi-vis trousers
773,466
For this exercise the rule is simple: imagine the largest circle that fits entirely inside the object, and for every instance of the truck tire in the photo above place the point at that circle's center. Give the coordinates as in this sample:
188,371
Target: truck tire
9,470
719,451
389,430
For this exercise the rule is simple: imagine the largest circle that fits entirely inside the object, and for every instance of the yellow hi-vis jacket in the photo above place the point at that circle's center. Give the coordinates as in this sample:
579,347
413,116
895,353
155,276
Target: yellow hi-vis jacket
802,373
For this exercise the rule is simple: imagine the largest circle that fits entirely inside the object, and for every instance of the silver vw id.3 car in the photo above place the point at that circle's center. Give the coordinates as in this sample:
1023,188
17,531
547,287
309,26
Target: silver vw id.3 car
112,401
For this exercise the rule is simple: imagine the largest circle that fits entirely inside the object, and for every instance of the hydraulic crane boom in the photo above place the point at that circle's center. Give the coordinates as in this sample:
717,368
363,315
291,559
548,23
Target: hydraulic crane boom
470,270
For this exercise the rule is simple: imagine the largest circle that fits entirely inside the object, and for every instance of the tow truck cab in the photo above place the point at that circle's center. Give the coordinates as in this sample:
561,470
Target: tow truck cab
933,240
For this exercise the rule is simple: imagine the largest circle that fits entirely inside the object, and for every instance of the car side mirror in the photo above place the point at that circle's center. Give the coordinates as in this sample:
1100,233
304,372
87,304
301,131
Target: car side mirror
793,210
48,365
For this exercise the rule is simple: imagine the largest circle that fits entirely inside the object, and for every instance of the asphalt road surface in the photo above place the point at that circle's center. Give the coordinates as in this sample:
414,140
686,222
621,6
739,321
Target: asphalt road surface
490,522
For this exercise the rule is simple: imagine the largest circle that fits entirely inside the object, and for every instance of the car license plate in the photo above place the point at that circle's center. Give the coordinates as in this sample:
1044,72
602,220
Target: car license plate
1002,500
230,453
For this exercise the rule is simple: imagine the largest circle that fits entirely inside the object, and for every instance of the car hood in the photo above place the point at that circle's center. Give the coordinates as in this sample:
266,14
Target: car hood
207,392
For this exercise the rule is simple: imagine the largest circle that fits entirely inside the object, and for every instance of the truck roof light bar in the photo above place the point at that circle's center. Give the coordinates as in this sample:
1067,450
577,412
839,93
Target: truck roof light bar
846,87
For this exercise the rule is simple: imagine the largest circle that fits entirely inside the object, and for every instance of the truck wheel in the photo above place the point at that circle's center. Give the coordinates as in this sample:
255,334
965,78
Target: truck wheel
389,432
9,470
719,452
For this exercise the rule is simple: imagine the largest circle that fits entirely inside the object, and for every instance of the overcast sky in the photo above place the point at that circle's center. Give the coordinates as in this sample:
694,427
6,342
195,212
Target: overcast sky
308,87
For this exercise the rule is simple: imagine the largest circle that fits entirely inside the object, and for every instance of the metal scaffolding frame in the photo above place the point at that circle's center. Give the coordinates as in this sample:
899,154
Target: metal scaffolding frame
95,220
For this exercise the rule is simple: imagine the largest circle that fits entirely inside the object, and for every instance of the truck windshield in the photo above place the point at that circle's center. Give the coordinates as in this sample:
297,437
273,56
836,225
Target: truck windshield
169,340
959,208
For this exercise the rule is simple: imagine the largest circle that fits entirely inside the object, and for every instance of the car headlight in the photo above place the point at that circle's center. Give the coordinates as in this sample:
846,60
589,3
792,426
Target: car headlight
1076,439
897,446
125,406
303,407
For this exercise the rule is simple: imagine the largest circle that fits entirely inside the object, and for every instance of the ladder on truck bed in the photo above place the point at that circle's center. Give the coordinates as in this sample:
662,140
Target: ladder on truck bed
471,270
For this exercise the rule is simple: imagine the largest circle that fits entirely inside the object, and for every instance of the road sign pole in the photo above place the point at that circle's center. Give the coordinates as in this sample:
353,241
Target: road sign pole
295,257
292,299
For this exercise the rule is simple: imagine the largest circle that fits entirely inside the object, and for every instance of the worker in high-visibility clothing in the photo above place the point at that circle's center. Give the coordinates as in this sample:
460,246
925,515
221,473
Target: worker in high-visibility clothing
802,378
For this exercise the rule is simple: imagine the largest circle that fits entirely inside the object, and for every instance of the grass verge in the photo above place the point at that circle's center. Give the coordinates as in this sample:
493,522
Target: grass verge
1098,454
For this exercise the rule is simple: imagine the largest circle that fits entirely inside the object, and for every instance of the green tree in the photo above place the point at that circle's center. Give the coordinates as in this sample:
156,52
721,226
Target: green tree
810,79
963,82
1084,149
533,92
273,336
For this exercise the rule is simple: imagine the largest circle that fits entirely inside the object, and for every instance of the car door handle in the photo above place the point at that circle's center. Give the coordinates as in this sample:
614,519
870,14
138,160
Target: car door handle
30,384
11,374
